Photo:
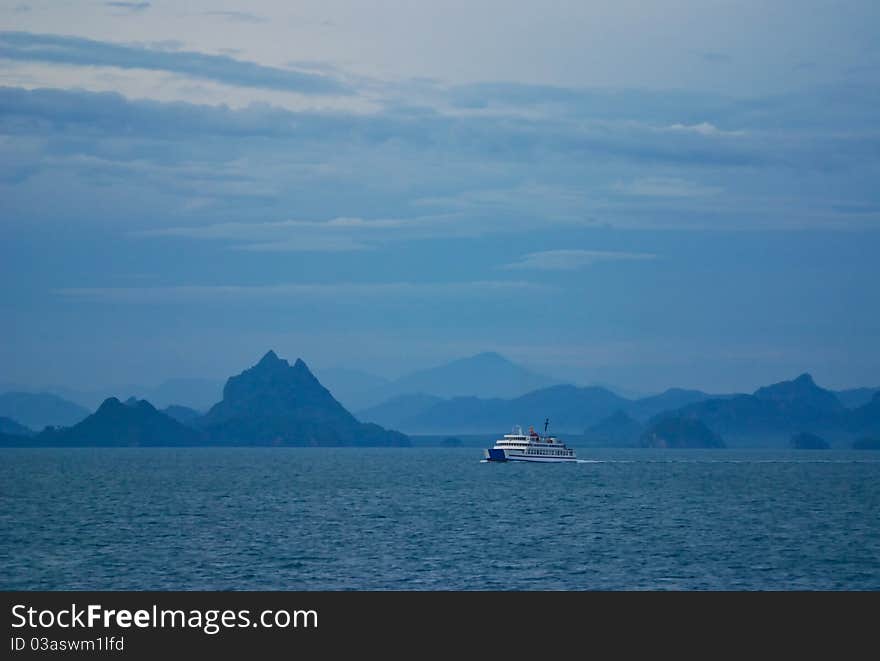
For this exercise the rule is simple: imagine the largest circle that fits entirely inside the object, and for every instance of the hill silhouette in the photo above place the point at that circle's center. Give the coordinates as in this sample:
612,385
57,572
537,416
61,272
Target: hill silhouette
784,407
680,432
617,429
134,423
38,410
10,426
808,441
570,409
486,375
866,419
275,403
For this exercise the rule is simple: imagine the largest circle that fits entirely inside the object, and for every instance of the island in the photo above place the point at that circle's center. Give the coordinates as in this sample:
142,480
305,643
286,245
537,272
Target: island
807,441
680,432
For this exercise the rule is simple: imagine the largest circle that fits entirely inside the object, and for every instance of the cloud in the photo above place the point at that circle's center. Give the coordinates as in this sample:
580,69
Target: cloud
703,128
335,235
57,49
237,16
714,57
572,260
665,187
429,132
410,175
129,6
322,291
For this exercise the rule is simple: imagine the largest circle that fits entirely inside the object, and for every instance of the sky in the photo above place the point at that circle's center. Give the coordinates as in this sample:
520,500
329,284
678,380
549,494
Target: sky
640,194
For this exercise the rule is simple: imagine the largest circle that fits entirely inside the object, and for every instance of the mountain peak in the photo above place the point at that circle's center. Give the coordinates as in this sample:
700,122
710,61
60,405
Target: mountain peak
801,386
135,422
109,404
271,358
278,403
489,355
486,374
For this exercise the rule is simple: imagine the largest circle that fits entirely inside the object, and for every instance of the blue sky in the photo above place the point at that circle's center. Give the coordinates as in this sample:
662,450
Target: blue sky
640,194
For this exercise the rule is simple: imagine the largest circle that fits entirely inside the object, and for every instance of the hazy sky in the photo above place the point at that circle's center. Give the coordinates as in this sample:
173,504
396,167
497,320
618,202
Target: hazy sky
644,194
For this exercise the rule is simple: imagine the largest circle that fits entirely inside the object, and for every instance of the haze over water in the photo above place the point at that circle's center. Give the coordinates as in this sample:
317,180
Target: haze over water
435,519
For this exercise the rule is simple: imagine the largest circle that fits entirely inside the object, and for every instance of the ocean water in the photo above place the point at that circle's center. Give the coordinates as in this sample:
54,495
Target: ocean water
437,519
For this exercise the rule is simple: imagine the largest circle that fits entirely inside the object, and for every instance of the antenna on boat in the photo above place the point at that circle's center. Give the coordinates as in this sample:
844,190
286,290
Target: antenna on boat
546,422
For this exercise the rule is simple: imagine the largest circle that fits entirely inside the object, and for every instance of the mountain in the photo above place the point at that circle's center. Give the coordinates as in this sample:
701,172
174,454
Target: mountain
806,441
801,397
784,407
15,441
856,397
487,375
487,390
866,419
616,429
275,403
199,394
196,393
570,409
10,426
38,410
398,410
353,389
669,400
135,423
680,431
183,414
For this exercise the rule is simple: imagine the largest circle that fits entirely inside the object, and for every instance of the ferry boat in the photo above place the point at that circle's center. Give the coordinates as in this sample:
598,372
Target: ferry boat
530,447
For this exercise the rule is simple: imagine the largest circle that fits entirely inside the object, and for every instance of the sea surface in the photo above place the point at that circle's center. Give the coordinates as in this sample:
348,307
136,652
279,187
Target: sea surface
437,519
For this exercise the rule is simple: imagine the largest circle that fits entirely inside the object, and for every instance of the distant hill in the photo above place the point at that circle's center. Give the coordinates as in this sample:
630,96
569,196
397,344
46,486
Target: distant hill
807,441
856,397
784,407
38,410
275,403
486,375
354,389
183,414
801,397
196,393
674,398
680,432
199,394
10,426
397,411
616,429
136,423
866,419
570,409
15,441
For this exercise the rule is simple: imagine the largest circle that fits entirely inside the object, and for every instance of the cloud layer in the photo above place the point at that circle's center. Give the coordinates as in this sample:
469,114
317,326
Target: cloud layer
435,171
708,186
56,49
572,260
356,291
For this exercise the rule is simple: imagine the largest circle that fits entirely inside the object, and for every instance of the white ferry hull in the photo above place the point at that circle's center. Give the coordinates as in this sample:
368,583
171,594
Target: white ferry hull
499,455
